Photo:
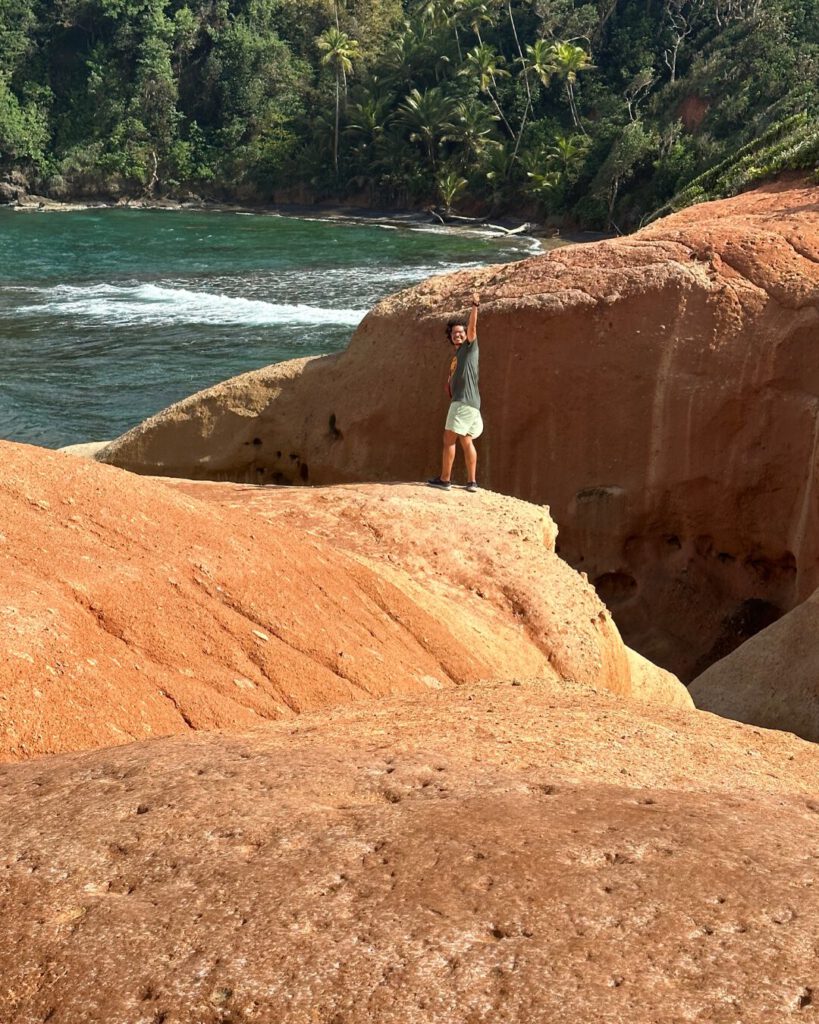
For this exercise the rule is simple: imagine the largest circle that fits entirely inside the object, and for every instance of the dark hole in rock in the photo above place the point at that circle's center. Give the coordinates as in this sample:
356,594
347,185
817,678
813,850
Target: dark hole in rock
595,494
335,433
754,615
726,558
615,587
257,441
294,456
767,569
280,478
748,619
303,471
673,541
278,455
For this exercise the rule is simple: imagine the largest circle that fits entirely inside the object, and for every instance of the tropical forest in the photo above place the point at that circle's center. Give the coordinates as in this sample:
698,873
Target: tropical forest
597,113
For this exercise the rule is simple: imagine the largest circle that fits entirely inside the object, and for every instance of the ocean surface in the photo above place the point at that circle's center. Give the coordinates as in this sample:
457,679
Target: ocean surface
107,316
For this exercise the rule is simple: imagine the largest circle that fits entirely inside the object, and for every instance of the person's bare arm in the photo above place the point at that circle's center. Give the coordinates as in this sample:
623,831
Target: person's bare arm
472,326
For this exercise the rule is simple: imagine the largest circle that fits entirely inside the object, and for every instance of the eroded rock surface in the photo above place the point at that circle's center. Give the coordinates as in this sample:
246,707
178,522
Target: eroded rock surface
129,609
499,852
659,392
773,679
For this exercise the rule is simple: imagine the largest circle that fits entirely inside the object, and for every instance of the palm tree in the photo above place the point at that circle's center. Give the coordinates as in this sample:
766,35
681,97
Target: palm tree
411,53
551,169
485,64
340,50
428,116
525,76
498,166
566,153
438,15
433,12
474,13
367,122
566,61
450,185
472,128
544,184
368,118
539,55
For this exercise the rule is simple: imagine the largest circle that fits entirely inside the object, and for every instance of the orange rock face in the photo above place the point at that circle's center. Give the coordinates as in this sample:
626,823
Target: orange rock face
659,392
489,853
129,609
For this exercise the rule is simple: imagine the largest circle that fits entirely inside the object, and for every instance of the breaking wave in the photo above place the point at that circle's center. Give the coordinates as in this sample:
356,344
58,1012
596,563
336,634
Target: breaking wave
158,304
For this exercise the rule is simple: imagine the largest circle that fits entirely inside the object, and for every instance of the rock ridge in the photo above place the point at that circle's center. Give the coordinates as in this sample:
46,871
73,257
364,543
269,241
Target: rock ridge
131,608
658,392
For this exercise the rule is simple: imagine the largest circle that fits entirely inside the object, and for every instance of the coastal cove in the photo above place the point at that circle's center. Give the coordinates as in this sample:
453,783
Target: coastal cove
108,315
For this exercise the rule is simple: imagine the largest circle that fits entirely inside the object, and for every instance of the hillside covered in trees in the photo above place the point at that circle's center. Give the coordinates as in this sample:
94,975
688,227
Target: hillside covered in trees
599,112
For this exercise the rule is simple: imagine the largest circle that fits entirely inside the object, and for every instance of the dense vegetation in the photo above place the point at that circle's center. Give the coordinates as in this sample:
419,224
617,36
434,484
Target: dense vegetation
599,111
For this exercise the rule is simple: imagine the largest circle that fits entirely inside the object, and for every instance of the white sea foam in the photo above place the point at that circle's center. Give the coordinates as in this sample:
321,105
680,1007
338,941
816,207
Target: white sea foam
516,241
156,304
380,277
440,229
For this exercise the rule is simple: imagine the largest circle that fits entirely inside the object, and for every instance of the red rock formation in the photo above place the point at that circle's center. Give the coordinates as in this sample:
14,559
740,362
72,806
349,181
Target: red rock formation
129,609
659,391
773,679
692,111
491,853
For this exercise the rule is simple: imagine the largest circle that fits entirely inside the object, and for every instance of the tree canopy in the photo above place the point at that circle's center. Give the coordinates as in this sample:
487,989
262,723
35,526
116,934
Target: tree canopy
598,112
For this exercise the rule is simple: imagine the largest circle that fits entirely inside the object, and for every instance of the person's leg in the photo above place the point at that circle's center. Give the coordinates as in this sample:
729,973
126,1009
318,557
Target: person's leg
448,454
471,457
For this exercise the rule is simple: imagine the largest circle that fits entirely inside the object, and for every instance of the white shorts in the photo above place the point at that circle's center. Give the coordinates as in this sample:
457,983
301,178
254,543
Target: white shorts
464,420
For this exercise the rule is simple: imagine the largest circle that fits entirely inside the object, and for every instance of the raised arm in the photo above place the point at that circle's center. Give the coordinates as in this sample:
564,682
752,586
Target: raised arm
472,326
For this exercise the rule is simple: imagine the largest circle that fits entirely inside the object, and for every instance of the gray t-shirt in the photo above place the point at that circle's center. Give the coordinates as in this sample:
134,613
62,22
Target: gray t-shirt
464,381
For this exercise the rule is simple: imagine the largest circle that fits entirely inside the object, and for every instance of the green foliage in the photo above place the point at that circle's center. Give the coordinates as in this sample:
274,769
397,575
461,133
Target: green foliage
23,124
602,112
790,145
630,148
450,185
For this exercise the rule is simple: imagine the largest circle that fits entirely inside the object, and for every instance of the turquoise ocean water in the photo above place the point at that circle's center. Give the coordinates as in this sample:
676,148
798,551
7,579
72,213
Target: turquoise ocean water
107,316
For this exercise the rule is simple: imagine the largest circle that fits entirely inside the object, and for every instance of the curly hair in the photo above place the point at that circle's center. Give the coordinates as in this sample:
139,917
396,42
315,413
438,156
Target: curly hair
456,321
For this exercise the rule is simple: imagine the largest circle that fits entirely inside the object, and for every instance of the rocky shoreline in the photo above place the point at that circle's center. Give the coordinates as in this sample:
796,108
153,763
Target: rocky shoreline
18,198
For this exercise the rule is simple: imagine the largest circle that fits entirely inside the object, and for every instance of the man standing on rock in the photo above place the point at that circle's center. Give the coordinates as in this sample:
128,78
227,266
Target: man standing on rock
463,421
